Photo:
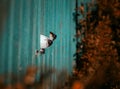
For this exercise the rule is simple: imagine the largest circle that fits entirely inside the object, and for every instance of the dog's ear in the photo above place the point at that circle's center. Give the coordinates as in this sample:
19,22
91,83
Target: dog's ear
50,42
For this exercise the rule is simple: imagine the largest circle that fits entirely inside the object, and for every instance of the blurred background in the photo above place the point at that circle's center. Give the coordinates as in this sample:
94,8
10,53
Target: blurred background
22,22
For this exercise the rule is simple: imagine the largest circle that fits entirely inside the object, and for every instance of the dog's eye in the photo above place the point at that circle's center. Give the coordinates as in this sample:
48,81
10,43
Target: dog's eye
49,42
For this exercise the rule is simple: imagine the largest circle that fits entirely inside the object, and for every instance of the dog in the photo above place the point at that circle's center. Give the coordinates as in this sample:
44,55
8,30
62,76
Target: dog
45,42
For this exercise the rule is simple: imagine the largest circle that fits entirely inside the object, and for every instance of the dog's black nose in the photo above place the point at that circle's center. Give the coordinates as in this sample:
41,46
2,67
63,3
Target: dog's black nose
50,42
53,35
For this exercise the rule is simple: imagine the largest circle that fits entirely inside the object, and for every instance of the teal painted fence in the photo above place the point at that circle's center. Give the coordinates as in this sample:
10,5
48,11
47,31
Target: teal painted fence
25,21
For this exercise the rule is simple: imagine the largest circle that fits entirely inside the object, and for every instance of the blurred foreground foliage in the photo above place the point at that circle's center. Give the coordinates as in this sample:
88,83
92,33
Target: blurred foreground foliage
99,65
